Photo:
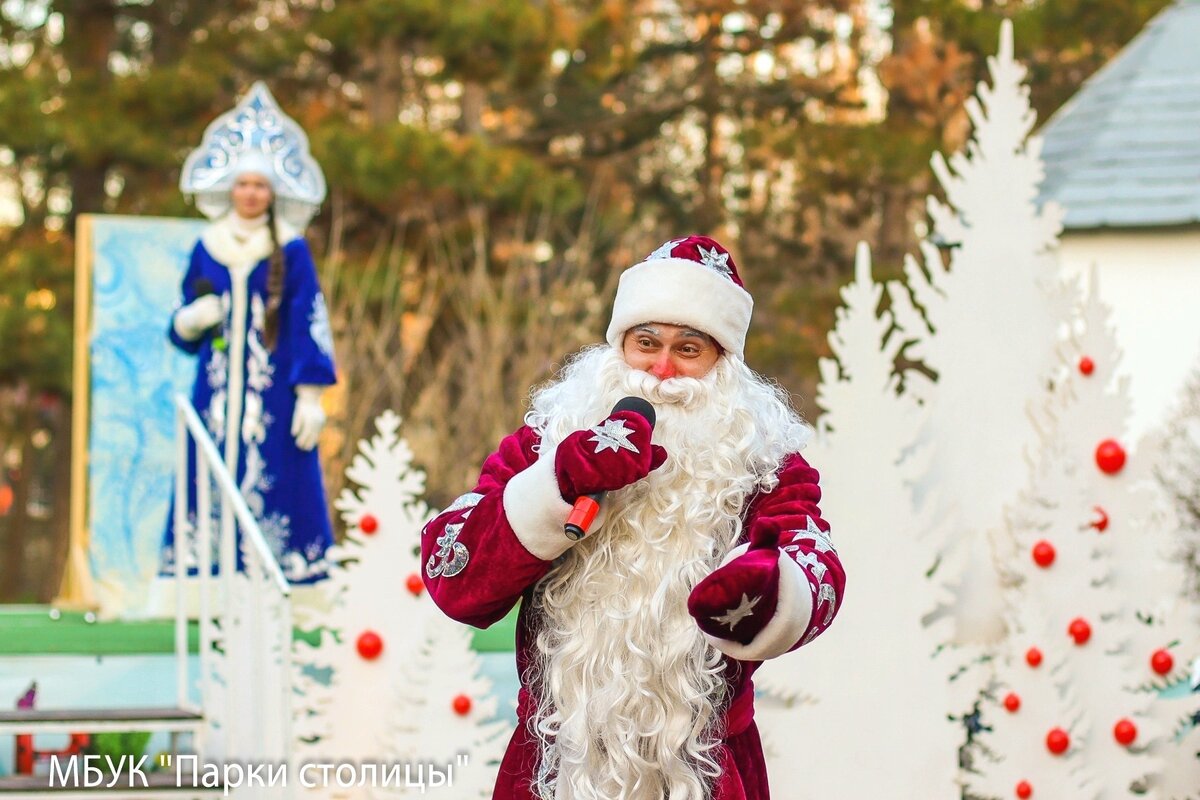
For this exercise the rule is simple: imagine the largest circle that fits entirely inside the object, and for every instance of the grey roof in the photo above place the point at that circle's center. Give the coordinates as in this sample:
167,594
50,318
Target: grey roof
1125,150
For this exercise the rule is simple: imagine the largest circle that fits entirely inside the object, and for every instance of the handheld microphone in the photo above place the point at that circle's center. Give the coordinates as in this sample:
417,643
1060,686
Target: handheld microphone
587,506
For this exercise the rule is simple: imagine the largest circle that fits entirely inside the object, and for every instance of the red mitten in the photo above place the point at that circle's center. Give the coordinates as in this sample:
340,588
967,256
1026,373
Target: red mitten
610,456
736,601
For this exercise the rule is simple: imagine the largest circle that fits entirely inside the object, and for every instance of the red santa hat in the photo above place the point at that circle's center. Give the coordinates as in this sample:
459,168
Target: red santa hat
691,281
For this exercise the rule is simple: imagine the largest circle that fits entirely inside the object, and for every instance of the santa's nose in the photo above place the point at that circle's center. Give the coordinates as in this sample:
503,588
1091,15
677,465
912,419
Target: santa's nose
663,368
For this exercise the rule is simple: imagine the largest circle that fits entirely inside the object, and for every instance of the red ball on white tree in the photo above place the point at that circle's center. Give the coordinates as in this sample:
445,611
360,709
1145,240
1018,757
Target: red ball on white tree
1033,657
1086,365
1057,741
1080,630
414,584
1110,456
1012,702
1043,554
461,705
1125,732
368,524
1162,662
369,645
1024,790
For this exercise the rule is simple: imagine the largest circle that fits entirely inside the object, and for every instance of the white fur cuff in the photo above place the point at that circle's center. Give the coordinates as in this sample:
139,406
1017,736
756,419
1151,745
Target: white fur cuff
536,510
792,614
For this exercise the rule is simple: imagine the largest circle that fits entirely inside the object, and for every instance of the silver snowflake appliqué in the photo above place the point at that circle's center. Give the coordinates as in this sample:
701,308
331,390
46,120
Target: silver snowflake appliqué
717,262
664,251
612,435
735,615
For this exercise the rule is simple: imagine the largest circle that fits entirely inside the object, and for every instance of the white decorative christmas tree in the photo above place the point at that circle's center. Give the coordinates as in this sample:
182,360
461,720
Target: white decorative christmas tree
1177,471
448,712
1031,718
992,312
375,606
392,681
1094,587
874,672
1166,643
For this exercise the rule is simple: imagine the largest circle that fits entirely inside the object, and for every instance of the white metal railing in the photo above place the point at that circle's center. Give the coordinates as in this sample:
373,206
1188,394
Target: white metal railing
245,619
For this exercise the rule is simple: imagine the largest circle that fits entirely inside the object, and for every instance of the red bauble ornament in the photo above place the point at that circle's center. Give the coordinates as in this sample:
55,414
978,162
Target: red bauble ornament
1024,790
414,584
1080,630
1162,662
1100,523
368,524
1057,741
1124,732
461,705
1110,456
369,645
1012,702
1086,365
1043,553
1033,657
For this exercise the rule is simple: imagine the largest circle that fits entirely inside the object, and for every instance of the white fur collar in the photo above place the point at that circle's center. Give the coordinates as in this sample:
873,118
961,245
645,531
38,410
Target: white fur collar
240,248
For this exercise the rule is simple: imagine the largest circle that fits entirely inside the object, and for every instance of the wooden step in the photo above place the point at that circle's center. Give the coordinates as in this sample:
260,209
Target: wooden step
161,784
98,720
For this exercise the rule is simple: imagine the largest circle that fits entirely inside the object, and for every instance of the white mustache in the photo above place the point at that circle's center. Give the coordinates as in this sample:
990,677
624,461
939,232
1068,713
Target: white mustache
687,393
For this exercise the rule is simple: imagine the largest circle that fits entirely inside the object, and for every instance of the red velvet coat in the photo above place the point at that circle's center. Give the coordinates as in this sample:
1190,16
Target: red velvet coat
488,549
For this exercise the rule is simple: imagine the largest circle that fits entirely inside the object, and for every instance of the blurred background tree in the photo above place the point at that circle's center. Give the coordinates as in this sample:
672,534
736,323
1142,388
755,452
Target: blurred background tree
493,165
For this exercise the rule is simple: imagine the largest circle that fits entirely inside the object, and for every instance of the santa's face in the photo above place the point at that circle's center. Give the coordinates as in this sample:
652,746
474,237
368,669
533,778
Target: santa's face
669,351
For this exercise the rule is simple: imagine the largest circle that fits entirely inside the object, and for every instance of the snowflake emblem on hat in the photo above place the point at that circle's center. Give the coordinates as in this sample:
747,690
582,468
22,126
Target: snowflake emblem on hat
613,435
717,262
664,251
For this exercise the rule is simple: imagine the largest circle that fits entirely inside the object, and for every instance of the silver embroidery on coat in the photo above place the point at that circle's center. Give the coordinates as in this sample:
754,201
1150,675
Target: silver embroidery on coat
453,554
468,500
827,595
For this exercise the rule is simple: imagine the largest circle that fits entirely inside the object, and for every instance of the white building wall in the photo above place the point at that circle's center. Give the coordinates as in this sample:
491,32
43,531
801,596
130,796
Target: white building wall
1152,282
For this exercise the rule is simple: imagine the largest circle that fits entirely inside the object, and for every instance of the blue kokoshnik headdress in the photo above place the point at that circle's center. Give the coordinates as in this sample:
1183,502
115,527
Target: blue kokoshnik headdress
255,136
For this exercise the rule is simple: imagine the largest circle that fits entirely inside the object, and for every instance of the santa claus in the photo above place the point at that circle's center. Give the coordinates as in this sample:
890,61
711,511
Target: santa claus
636,645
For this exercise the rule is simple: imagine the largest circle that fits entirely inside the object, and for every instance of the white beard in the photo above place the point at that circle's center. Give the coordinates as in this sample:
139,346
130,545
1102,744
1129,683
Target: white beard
630,693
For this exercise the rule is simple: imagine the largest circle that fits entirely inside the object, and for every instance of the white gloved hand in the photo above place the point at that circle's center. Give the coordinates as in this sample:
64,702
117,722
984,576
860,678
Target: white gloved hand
309,418
198,316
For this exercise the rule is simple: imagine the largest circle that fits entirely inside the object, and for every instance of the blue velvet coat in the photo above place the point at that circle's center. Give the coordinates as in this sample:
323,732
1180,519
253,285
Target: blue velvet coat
245,394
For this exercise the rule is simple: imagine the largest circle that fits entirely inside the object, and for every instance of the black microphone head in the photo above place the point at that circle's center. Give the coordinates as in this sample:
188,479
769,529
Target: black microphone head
203,286
638,406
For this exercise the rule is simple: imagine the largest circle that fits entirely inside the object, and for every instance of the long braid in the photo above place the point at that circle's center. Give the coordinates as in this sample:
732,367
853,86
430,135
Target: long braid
274,283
